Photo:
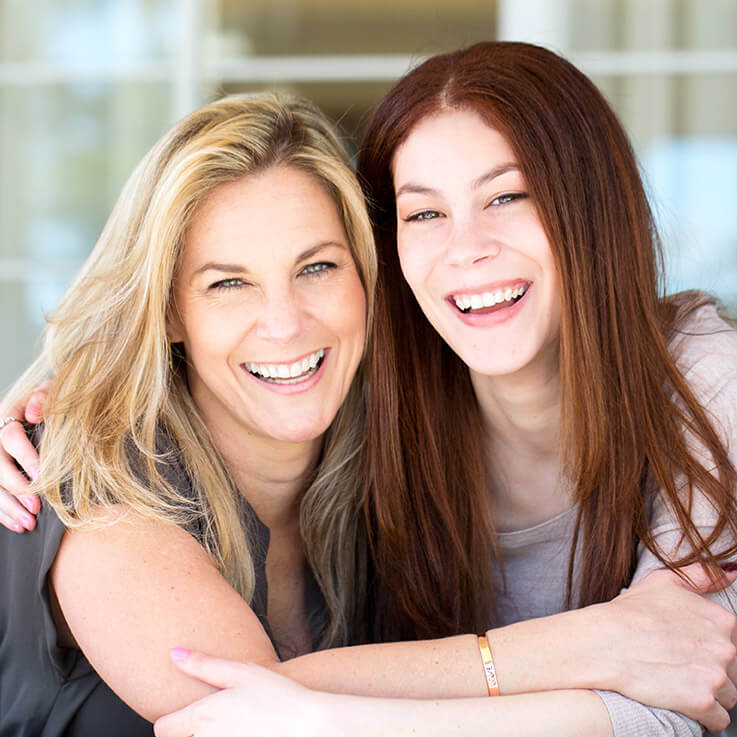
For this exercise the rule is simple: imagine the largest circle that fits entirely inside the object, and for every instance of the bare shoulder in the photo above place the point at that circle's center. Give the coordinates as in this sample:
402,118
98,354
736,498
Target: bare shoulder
116,530
132,588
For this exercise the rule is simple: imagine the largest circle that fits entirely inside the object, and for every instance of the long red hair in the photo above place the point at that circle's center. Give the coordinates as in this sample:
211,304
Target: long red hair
625,405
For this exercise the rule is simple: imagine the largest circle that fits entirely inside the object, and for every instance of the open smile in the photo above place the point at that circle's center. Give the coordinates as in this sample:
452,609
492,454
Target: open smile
486,302
294,372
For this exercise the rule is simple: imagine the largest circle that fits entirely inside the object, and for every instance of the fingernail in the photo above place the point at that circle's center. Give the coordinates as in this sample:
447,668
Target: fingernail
27,521
27,502
17,527
33,472
178,654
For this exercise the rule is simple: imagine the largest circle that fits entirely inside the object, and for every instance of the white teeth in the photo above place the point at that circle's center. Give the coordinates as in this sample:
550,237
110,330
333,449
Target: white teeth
466,302
463,303
287,373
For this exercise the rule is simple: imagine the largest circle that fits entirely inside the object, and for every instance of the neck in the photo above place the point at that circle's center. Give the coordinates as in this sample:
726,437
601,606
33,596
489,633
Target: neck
522,410
521,416
271,474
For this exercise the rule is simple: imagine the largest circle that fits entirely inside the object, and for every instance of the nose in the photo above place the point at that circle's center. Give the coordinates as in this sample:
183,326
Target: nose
469,243
282,318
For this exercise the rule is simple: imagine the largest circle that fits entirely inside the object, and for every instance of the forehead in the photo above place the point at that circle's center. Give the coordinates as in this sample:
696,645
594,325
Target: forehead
277,212
453,143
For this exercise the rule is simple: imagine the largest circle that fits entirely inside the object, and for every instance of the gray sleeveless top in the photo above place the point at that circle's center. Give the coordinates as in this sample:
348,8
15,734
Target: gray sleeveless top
50,691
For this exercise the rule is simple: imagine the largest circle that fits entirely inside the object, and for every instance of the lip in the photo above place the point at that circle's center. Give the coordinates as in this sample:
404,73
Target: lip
302,386
497,317
488,287
289,361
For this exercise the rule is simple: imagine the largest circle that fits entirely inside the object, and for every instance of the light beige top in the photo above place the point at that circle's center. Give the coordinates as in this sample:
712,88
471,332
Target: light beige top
536,558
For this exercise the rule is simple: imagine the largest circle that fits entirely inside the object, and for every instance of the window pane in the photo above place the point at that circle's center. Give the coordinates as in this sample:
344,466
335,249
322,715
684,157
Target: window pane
66,152
22,307
79,31
360,27
611,25
684,129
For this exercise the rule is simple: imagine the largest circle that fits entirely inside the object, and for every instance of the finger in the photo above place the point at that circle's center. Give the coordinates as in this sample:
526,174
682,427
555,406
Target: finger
177,724
14,515
14,486
716,718
727,695
699,580
10,523
31,502
35,405
15,442
732,672
10,476
215,671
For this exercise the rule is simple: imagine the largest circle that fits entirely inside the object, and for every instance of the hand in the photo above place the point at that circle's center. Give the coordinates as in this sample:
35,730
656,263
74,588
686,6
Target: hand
17,509
254,701
676,649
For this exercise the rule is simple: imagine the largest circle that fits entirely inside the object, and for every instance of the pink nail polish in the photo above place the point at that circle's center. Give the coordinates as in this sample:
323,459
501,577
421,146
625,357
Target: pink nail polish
33,472
27,521
18,528
27,502
178,654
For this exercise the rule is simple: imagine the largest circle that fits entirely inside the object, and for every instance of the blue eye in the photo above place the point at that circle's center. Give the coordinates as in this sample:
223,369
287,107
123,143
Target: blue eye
421,217
226,284
318,269
508,197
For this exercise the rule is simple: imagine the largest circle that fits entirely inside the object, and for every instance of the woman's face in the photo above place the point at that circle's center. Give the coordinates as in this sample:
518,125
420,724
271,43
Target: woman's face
269,306
472,246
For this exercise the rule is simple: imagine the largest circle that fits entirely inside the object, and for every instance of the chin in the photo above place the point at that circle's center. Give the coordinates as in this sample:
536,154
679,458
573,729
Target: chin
500,366
300,433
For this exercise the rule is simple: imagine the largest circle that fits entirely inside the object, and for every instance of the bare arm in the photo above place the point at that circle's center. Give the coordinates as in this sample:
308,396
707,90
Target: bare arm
132,591
253,700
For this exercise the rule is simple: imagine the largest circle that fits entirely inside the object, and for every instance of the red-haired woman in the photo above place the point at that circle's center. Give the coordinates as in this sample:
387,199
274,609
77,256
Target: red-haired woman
535,379
537,371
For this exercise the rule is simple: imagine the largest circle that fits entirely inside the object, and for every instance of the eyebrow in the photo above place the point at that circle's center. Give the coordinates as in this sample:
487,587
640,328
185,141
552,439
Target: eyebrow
497,171
241,269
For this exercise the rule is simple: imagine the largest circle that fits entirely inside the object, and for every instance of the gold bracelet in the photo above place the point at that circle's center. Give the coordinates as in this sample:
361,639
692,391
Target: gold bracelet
489,670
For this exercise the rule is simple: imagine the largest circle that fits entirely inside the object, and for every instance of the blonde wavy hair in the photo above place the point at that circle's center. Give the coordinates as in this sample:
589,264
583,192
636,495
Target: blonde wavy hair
116,387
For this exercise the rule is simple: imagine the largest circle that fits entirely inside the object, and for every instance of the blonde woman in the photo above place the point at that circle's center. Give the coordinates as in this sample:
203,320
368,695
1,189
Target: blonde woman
209,346
201,452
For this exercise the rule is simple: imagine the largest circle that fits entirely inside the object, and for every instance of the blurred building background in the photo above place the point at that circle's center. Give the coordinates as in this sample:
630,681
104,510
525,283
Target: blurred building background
86,86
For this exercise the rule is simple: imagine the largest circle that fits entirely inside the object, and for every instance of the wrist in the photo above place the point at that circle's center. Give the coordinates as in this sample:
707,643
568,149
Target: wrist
596,632
567,650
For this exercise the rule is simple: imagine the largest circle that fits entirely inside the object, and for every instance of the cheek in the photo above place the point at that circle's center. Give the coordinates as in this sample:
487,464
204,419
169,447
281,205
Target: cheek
207,335
352,312
411,263
337,307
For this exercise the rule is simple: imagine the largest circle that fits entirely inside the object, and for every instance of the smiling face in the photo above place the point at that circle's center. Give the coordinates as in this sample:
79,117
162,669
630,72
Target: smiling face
472,246
269,306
